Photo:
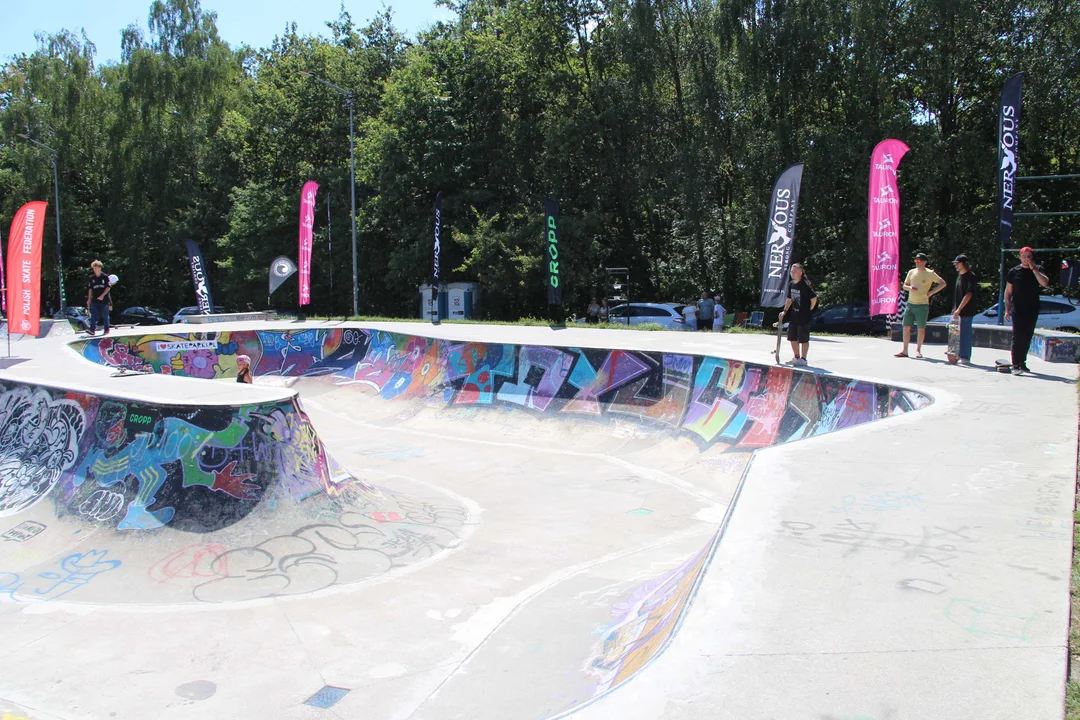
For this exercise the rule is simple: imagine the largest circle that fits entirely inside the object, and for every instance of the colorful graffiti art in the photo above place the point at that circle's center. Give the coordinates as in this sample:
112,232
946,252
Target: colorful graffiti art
713,401
139,466
644,622
136,467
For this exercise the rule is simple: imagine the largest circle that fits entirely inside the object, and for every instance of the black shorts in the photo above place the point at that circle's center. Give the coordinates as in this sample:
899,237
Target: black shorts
798,332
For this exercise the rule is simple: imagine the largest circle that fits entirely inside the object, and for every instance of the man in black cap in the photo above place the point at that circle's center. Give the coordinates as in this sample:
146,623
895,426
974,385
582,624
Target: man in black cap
922,283
964,305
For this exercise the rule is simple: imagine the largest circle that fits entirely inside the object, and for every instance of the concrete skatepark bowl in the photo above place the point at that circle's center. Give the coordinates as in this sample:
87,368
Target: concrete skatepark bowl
413,520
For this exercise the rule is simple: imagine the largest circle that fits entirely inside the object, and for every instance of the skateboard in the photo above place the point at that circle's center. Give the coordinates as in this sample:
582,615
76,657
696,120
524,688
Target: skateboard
128,372
952,350
1003,366
779,338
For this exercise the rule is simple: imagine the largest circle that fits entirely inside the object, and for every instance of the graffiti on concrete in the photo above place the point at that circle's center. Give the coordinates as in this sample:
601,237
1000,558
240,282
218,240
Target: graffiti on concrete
26,530
71,573
134,466
355,547
715,402
39,440
643,623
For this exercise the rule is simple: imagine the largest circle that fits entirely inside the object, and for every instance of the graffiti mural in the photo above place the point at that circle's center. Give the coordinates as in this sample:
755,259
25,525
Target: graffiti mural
713,401
644,622
39,440
135,466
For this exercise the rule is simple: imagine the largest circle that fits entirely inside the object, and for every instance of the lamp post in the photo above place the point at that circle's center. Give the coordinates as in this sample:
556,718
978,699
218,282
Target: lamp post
59,249
352,179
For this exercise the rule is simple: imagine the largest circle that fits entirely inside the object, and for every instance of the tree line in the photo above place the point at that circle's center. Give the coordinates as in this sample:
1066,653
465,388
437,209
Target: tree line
658,125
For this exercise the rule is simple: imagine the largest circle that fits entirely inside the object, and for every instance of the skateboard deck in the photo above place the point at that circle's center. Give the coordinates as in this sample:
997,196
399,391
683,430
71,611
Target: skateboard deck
952,350
1003,366
126,372
779,337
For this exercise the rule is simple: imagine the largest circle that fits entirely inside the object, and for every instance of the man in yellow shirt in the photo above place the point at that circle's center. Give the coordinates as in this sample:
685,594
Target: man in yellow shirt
922,283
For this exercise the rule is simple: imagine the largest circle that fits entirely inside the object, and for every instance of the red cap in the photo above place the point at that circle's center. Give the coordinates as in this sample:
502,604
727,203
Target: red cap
1026,249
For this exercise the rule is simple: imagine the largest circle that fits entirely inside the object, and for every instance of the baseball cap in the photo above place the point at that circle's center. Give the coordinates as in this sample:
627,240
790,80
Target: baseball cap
920,256
1026,248
961,258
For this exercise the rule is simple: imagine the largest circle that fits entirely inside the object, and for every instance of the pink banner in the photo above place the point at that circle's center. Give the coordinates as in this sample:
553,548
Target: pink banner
883,226
307,222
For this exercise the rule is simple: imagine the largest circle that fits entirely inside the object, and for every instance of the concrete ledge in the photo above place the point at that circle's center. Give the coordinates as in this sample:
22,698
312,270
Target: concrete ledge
228,317
1049,345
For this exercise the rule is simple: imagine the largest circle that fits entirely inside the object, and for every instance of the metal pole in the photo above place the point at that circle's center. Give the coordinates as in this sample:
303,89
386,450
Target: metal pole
59,248
1001,289
352,183
349,98
330,243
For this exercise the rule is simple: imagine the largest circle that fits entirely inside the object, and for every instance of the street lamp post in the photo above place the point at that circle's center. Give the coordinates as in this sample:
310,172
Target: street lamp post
352,180
59,248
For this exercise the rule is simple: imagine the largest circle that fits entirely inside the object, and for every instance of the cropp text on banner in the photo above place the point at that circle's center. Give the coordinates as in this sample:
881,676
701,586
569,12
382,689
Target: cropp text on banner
551,230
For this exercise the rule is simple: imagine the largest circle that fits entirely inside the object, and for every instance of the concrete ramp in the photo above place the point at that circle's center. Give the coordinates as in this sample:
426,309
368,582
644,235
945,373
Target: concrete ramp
137,503
535,517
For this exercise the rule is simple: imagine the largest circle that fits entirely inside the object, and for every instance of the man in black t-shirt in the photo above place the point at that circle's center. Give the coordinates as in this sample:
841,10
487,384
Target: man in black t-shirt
801,301
98,298
964,305
1022,304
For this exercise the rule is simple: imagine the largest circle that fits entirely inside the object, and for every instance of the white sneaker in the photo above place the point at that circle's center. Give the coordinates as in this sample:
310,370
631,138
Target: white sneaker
802,361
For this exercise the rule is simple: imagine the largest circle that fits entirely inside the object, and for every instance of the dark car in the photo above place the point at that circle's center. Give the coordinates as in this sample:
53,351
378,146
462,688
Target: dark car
848,319
77,316
142,316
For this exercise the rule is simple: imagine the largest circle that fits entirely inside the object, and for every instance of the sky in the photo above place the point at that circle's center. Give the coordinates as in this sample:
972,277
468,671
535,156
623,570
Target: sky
254,22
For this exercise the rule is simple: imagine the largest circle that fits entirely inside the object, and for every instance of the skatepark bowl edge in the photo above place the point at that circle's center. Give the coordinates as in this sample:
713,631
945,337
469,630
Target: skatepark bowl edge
538,516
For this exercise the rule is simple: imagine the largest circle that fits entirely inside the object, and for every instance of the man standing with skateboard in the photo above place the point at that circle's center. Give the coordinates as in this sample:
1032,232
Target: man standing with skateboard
964,306
1022,305
98,298
922,283
801,300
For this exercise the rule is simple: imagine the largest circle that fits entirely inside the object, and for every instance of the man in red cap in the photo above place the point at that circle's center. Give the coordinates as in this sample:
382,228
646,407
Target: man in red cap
1022,305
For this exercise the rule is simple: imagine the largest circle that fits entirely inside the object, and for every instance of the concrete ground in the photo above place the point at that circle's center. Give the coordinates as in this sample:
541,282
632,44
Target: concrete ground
916,567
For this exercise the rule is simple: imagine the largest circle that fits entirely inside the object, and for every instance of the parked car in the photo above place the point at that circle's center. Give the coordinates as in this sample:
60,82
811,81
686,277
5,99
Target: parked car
1056,312
193,310
848,319
77,316
667,315
142,316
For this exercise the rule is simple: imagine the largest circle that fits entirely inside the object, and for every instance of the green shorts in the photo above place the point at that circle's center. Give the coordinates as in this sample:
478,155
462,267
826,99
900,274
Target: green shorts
916,315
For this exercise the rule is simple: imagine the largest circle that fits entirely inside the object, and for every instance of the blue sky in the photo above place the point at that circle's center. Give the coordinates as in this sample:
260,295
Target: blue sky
255,22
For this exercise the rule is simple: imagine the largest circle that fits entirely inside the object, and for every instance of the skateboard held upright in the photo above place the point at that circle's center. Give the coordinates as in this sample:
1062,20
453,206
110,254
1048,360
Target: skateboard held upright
952,351
779,337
